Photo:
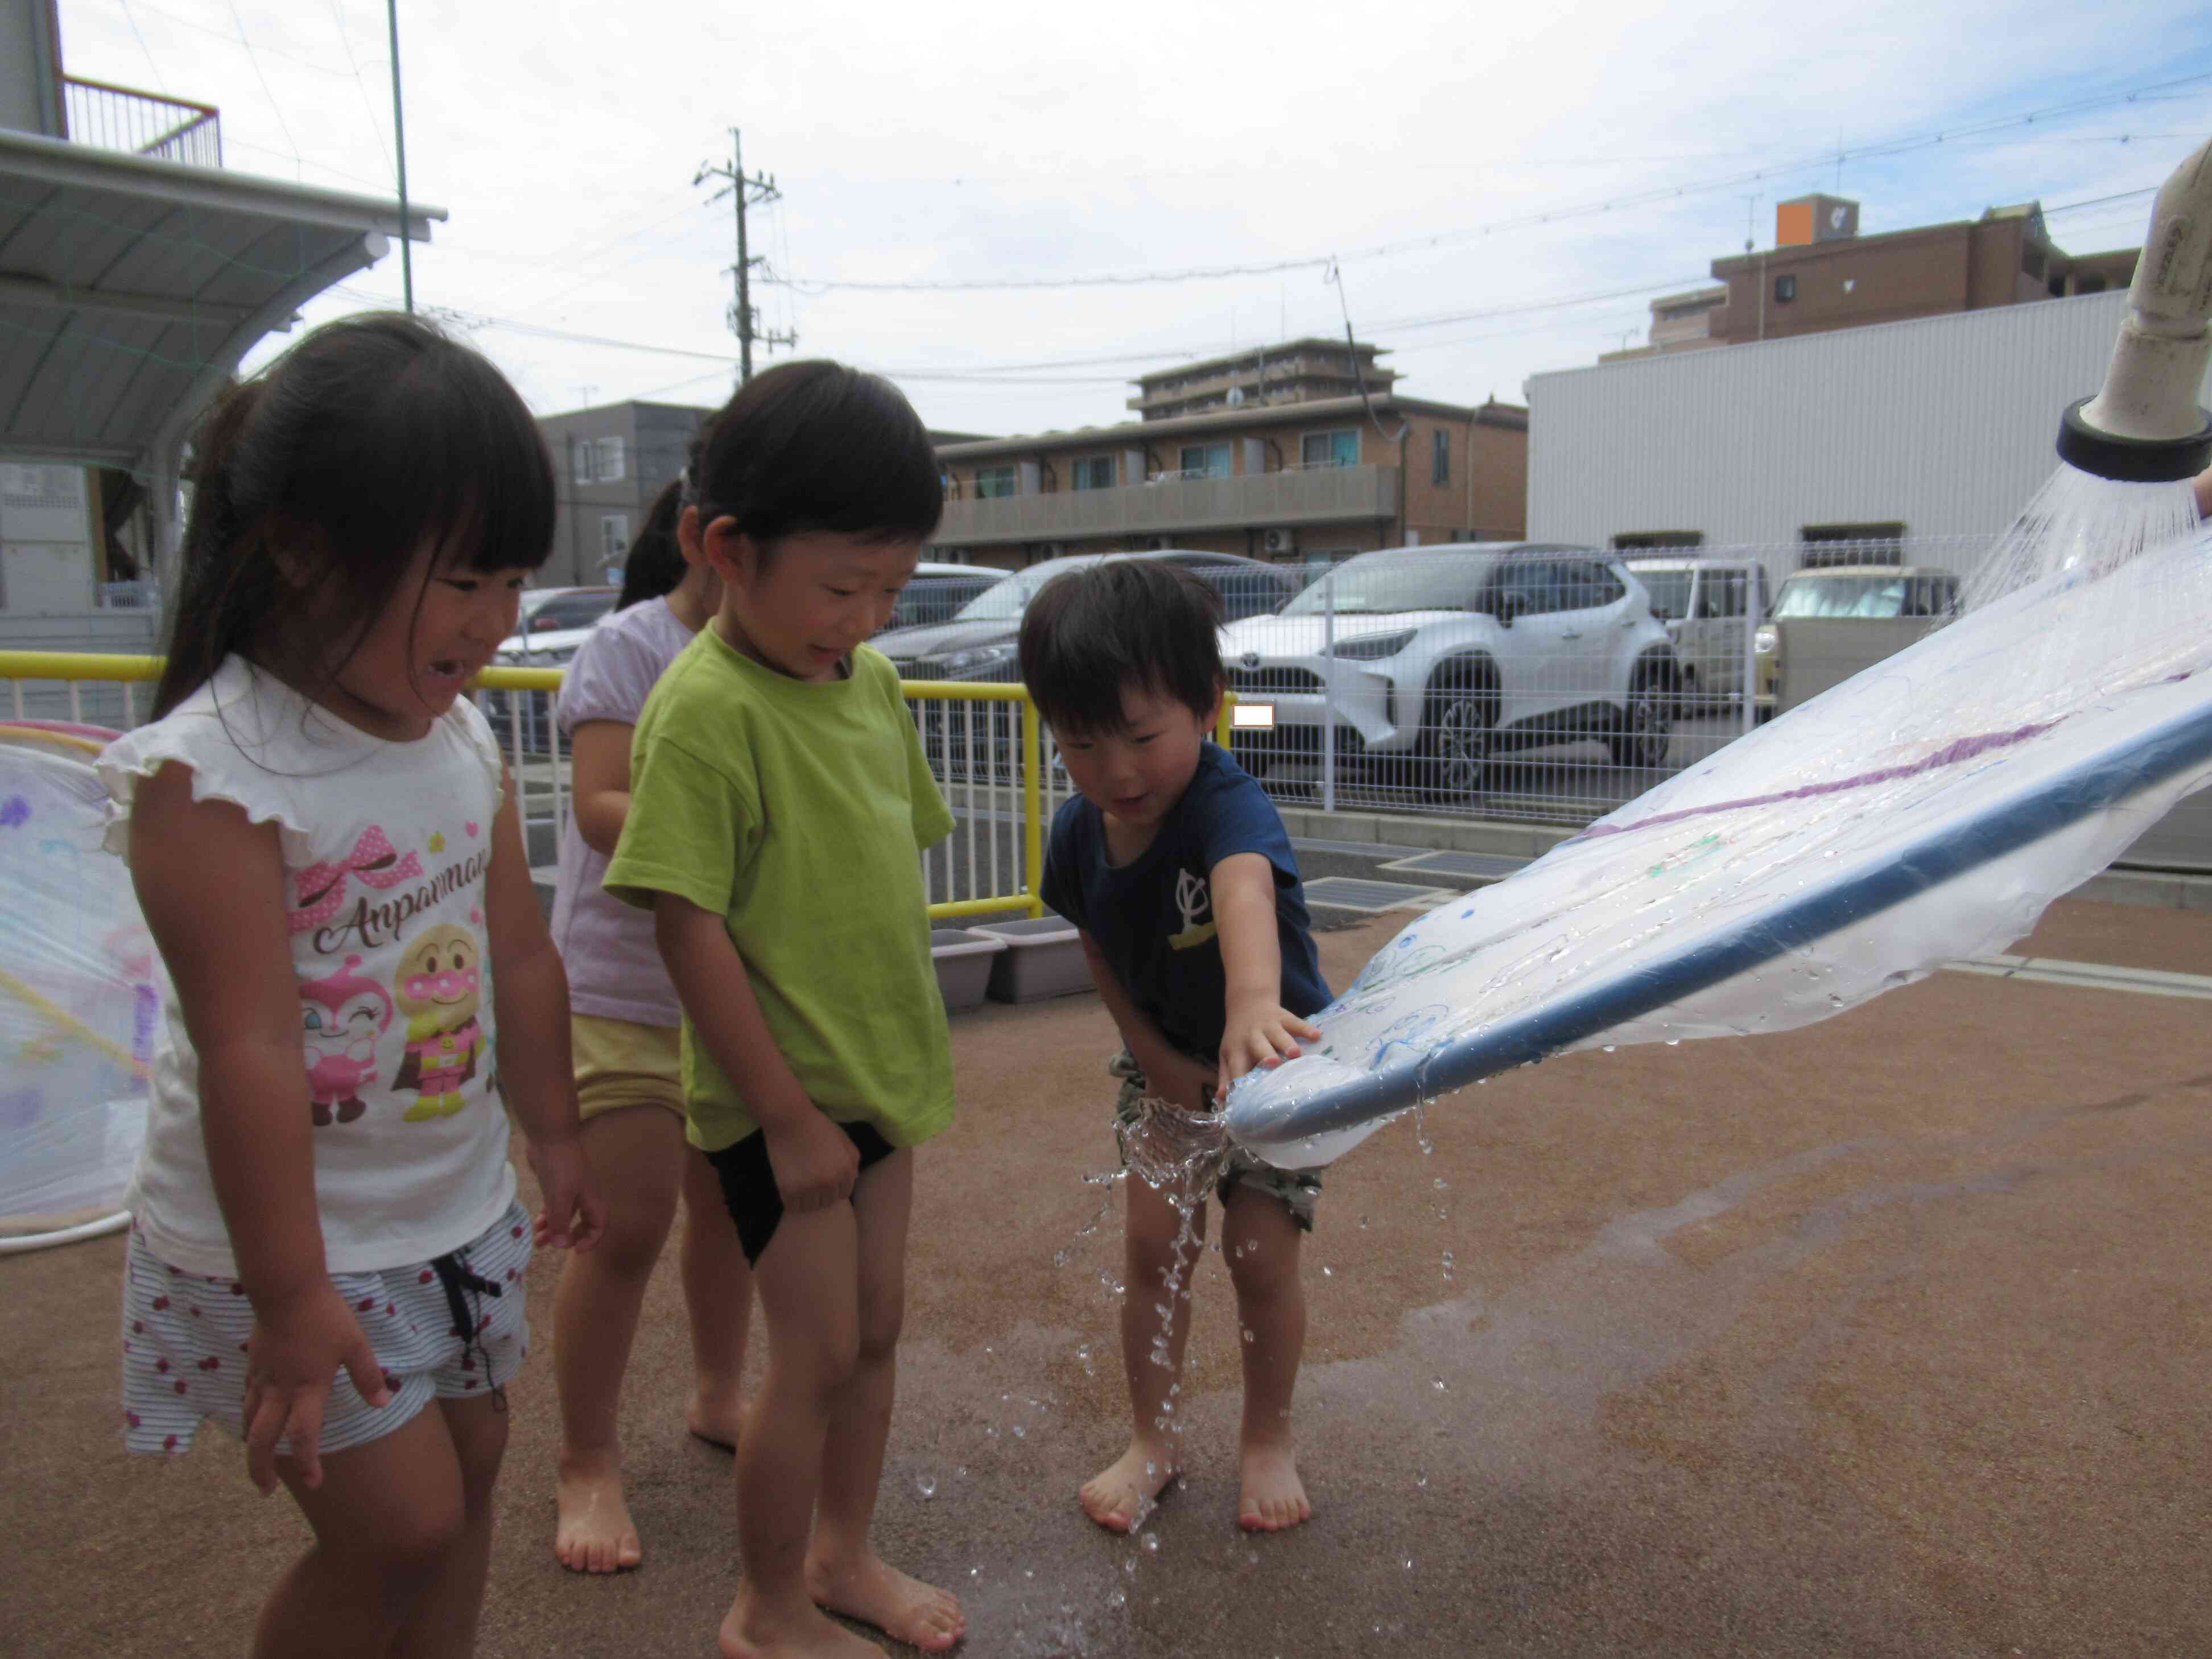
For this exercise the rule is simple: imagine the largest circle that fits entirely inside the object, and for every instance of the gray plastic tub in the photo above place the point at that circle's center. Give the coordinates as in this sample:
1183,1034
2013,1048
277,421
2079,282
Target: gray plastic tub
1043,958
963,958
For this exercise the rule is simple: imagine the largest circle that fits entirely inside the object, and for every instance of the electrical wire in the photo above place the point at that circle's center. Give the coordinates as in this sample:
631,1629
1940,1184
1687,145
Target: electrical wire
283,126
130,18
1608,204
375,125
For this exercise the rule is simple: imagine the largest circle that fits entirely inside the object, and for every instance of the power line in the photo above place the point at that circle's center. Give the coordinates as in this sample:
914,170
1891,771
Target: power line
132,19
345,40
283,125
1608,204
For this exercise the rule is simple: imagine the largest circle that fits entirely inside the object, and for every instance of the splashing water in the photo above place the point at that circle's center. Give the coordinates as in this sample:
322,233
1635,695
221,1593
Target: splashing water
1927,809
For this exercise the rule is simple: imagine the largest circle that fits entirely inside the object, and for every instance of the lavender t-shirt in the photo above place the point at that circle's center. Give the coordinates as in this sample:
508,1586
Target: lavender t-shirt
613,967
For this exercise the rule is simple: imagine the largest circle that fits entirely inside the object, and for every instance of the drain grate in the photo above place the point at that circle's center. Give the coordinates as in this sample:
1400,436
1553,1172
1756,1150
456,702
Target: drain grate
1470,866
1356,893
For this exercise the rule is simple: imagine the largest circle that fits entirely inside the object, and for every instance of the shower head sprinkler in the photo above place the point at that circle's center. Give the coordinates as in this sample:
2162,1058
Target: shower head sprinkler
2146,427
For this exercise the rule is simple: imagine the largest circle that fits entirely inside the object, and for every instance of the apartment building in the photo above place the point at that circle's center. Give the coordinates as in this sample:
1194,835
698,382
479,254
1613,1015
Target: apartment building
609,464
1822,274
1243,455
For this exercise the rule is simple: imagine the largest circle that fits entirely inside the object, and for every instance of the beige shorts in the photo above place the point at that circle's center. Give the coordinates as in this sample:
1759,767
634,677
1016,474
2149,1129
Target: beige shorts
620,1063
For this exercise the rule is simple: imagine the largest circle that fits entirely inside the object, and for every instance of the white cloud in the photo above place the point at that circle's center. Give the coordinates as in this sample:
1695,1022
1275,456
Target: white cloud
992,140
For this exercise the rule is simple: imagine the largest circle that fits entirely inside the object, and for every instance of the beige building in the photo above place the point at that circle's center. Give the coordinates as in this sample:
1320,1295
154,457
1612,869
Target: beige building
1272,453
1822,274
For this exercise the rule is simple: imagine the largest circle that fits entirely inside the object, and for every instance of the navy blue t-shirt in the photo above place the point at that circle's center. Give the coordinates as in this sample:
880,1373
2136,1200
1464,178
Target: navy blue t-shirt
1153,917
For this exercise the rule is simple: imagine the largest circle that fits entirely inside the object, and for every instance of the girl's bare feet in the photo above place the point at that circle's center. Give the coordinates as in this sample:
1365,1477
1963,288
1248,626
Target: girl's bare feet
905,1609
1273,1497
591,1530
1125,1488
753,1629
716,1416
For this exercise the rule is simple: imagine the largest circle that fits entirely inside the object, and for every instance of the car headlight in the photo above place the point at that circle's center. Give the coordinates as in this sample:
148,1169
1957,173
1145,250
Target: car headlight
1369,646
1763,640
985,656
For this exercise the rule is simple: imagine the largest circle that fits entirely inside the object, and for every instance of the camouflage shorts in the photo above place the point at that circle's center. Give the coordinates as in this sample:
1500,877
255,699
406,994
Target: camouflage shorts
1295,1190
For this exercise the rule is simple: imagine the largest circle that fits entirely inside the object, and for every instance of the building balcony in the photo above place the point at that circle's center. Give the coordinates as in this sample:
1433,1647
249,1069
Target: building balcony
142,123
1312,496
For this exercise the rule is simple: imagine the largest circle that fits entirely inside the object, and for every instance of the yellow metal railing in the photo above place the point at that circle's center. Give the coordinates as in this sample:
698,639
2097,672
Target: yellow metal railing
76,668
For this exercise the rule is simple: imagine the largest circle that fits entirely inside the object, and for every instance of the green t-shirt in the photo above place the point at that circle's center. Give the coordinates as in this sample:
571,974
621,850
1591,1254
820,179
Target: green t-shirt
796,810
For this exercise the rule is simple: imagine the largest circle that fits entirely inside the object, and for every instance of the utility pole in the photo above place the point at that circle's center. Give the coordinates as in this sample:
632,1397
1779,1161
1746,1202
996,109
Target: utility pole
744,192
399,145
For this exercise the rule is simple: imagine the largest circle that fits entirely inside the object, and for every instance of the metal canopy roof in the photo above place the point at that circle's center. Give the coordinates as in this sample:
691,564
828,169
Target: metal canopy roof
131,288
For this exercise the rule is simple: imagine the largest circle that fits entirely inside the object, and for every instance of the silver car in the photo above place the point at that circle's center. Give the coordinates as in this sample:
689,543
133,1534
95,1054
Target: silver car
1430,660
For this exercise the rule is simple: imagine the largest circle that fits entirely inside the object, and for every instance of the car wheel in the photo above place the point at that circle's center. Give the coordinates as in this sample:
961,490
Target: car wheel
1646,732
1456,743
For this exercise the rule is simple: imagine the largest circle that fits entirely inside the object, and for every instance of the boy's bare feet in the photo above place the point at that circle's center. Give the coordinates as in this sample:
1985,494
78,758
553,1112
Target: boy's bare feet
905,1609
1274,1496
591,1530
753,1629
717,1417
1124,1488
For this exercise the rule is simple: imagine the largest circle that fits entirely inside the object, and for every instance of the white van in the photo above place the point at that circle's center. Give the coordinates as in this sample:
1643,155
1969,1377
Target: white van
1701,605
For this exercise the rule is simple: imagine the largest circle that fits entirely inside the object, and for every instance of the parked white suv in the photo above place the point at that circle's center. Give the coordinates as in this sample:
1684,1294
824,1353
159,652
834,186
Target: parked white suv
1444,656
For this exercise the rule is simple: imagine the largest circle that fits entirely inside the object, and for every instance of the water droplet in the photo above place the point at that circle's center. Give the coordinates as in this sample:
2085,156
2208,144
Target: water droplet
1327,1272
1059,1258
1612,1048
1151,1543
1409,1563
1129,1566
1422,1479
962,1472
927,1484
1116,1599
1249,1334
1440,1184
974,1572
1448,1264
1438,1383
1673,1042
1020,1433
1363,1223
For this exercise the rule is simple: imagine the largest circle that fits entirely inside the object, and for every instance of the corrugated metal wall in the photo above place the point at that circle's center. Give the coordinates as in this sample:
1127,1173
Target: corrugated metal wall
1945,423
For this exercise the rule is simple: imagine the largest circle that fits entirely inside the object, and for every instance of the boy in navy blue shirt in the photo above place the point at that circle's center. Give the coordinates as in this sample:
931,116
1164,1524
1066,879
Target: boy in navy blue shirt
1178,872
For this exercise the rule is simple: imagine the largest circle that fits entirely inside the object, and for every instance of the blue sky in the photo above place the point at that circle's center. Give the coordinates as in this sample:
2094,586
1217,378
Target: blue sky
993,141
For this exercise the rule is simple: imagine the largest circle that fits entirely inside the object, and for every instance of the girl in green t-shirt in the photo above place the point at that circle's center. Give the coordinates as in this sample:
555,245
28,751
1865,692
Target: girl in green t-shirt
778,794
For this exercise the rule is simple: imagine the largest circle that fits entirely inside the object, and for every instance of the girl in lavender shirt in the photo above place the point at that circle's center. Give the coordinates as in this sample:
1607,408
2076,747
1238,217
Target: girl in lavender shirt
624,1024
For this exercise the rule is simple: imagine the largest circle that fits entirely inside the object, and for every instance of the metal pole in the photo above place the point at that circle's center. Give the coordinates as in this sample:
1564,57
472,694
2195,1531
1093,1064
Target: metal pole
744,285
399,145
1328,692
1753,615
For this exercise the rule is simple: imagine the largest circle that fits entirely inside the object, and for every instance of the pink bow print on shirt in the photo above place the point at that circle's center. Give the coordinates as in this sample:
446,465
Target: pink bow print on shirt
322,886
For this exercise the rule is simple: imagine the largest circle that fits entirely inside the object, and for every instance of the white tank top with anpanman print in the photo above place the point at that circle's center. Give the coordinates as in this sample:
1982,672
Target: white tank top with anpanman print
385,847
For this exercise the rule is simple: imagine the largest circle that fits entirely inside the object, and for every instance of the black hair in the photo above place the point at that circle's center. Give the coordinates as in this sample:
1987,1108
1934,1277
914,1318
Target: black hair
654,566
374,436
1093,634
818,446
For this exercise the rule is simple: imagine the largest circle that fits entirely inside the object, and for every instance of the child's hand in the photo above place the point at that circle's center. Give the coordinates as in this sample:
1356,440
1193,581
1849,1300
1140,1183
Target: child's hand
1260,1034
814,1161
574,1215
296,1349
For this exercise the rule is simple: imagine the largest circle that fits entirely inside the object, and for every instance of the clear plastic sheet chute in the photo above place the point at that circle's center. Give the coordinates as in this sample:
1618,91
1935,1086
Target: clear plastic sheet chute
78,1002
1927,809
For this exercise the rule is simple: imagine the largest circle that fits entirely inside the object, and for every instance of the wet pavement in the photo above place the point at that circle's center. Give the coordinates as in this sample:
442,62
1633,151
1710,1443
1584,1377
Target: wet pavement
1884,1337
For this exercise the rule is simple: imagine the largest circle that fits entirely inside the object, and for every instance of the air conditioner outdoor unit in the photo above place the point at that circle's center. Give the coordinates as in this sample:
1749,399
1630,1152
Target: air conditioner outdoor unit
1279,541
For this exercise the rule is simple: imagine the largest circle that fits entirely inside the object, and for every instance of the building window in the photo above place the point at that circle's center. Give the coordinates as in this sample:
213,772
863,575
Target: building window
582,447
610,460
1206,461
1830,545
1092,472
1647,538
614,536
995,481
1329,448
1785,290
1440,457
